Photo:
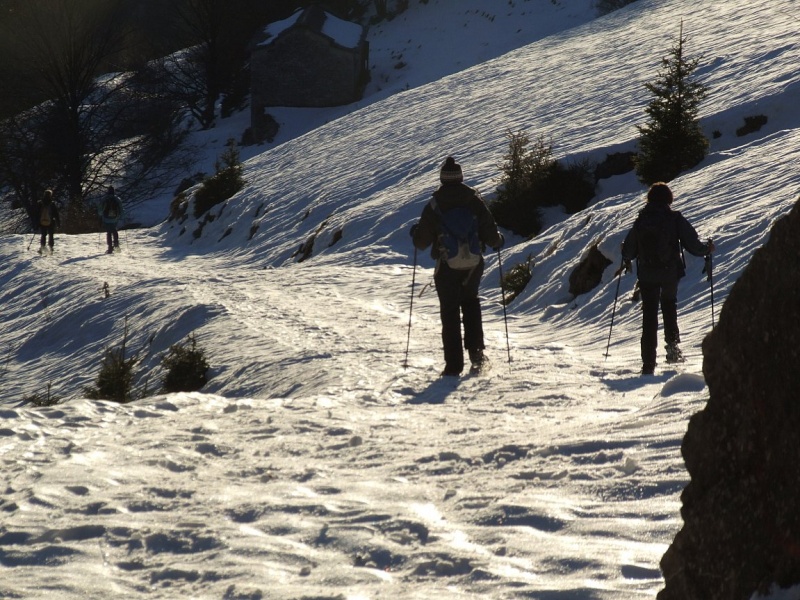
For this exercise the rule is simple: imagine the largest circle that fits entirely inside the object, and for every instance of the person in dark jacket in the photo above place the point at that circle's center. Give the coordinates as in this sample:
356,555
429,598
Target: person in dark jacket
47,219
457,289
659,271
110,210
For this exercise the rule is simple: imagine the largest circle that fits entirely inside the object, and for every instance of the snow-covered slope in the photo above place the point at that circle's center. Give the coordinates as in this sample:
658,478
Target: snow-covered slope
313,465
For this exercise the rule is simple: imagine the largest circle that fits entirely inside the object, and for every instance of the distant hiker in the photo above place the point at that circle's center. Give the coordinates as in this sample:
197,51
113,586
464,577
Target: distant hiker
458,211
47,220
110,210
656,241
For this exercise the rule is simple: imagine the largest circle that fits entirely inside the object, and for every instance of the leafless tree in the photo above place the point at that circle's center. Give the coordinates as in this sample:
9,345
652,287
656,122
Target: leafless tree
95,126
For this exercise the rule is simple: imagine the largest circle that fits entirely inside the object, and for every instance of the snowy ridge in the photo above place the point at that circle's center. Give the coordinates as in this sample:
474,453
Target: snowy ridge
313,465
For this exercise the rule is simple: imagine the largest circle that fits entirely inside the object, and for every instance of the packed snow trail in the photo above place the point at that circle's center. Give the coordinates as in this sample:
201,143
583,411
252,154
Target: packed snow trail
315,461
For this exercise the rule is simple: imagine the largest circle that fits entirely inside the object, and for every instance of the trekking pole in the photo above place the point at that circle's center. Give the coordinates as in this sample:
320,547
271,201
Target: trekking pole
411,307
614,310
708,269
505,314
33,237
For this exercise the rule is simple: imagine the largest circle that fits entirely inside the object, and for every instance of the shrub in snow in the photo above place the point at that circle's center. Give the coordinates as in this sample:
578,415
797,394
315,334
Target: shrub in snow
515,280
751,125
571,185
523,167
226,181
532,179
46,399
115,380
186,366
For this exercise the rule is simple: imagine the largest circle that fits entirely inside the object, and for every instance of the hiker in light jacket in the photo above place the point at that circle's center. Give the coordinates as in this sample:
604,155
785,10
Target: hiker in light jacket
110,211
457,289
656,241
46,220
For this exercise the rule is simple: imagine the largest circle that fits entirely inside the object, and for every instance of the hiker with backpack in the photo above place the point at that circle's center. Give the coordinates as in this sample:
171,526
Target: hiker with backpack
111,211
656,241
47,219
457,224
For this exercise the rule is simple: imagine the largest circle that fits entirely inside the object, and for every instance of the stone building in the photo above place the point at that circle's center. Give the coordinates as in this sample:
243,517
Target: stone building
312,59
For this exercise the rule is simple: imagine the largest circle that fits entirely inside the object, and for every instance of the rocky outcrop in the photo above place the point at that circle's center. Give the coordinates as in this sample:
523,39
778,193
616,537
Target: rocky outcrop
741,510
589,272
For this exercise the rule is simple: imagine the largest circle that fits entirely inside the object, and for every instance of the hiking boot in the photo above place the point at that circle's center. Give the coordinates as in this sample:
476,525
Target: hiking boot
41,250
110,250
674,354
450,373
648,369
476,357
479,362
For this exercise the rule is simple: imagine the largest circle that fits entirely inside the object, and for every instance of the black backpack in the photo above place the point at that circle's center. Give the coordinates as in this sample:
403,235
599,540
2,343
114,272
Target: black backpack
111,208
659,242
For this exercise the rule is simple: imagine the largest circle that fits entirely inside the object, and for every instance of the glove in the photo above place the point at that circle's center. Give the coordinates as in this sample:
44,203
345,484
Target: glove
413,230
627,266
500,243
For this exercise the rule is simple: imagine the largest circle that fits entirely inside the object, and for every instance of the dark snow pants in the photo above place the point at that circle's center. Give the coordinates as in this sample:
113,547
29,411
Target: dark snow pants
47,232
458,296
112,235
653,295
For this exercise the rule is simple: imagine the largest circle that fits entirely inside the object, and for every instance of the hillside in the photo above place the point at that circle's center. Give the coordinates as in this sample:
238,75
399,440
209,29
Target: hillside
313,465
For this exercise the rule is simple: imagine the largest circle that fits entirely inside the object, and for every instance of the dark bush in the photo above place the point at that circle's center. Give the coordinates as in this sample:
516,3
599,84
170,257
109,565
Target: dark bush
515,280
572,186
187,367
115,379
533,179
42,400
523,167
606,6
751,125
177,207
617,163
226,181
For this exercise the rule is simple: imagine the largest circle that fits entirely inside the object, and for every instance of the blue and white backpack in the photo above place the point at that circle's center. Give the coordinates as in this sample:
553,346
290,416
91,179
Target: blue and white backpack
459,243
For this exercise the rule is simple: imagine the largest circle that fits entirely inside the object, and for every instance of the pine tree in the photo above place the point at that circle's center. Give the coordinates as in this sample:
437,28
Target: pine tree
672,140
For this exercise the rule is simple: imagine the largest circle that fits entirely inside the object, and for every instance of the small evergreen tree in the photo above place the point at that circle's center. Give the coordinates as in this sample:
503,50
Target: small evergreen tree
524,168
186,366
672,140
115,380
533,179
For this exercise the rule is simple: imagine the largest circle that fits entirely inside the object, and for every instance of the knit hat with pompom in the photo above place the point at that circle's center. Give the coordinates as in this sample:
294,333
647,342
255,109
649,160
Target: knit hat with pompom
451,171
